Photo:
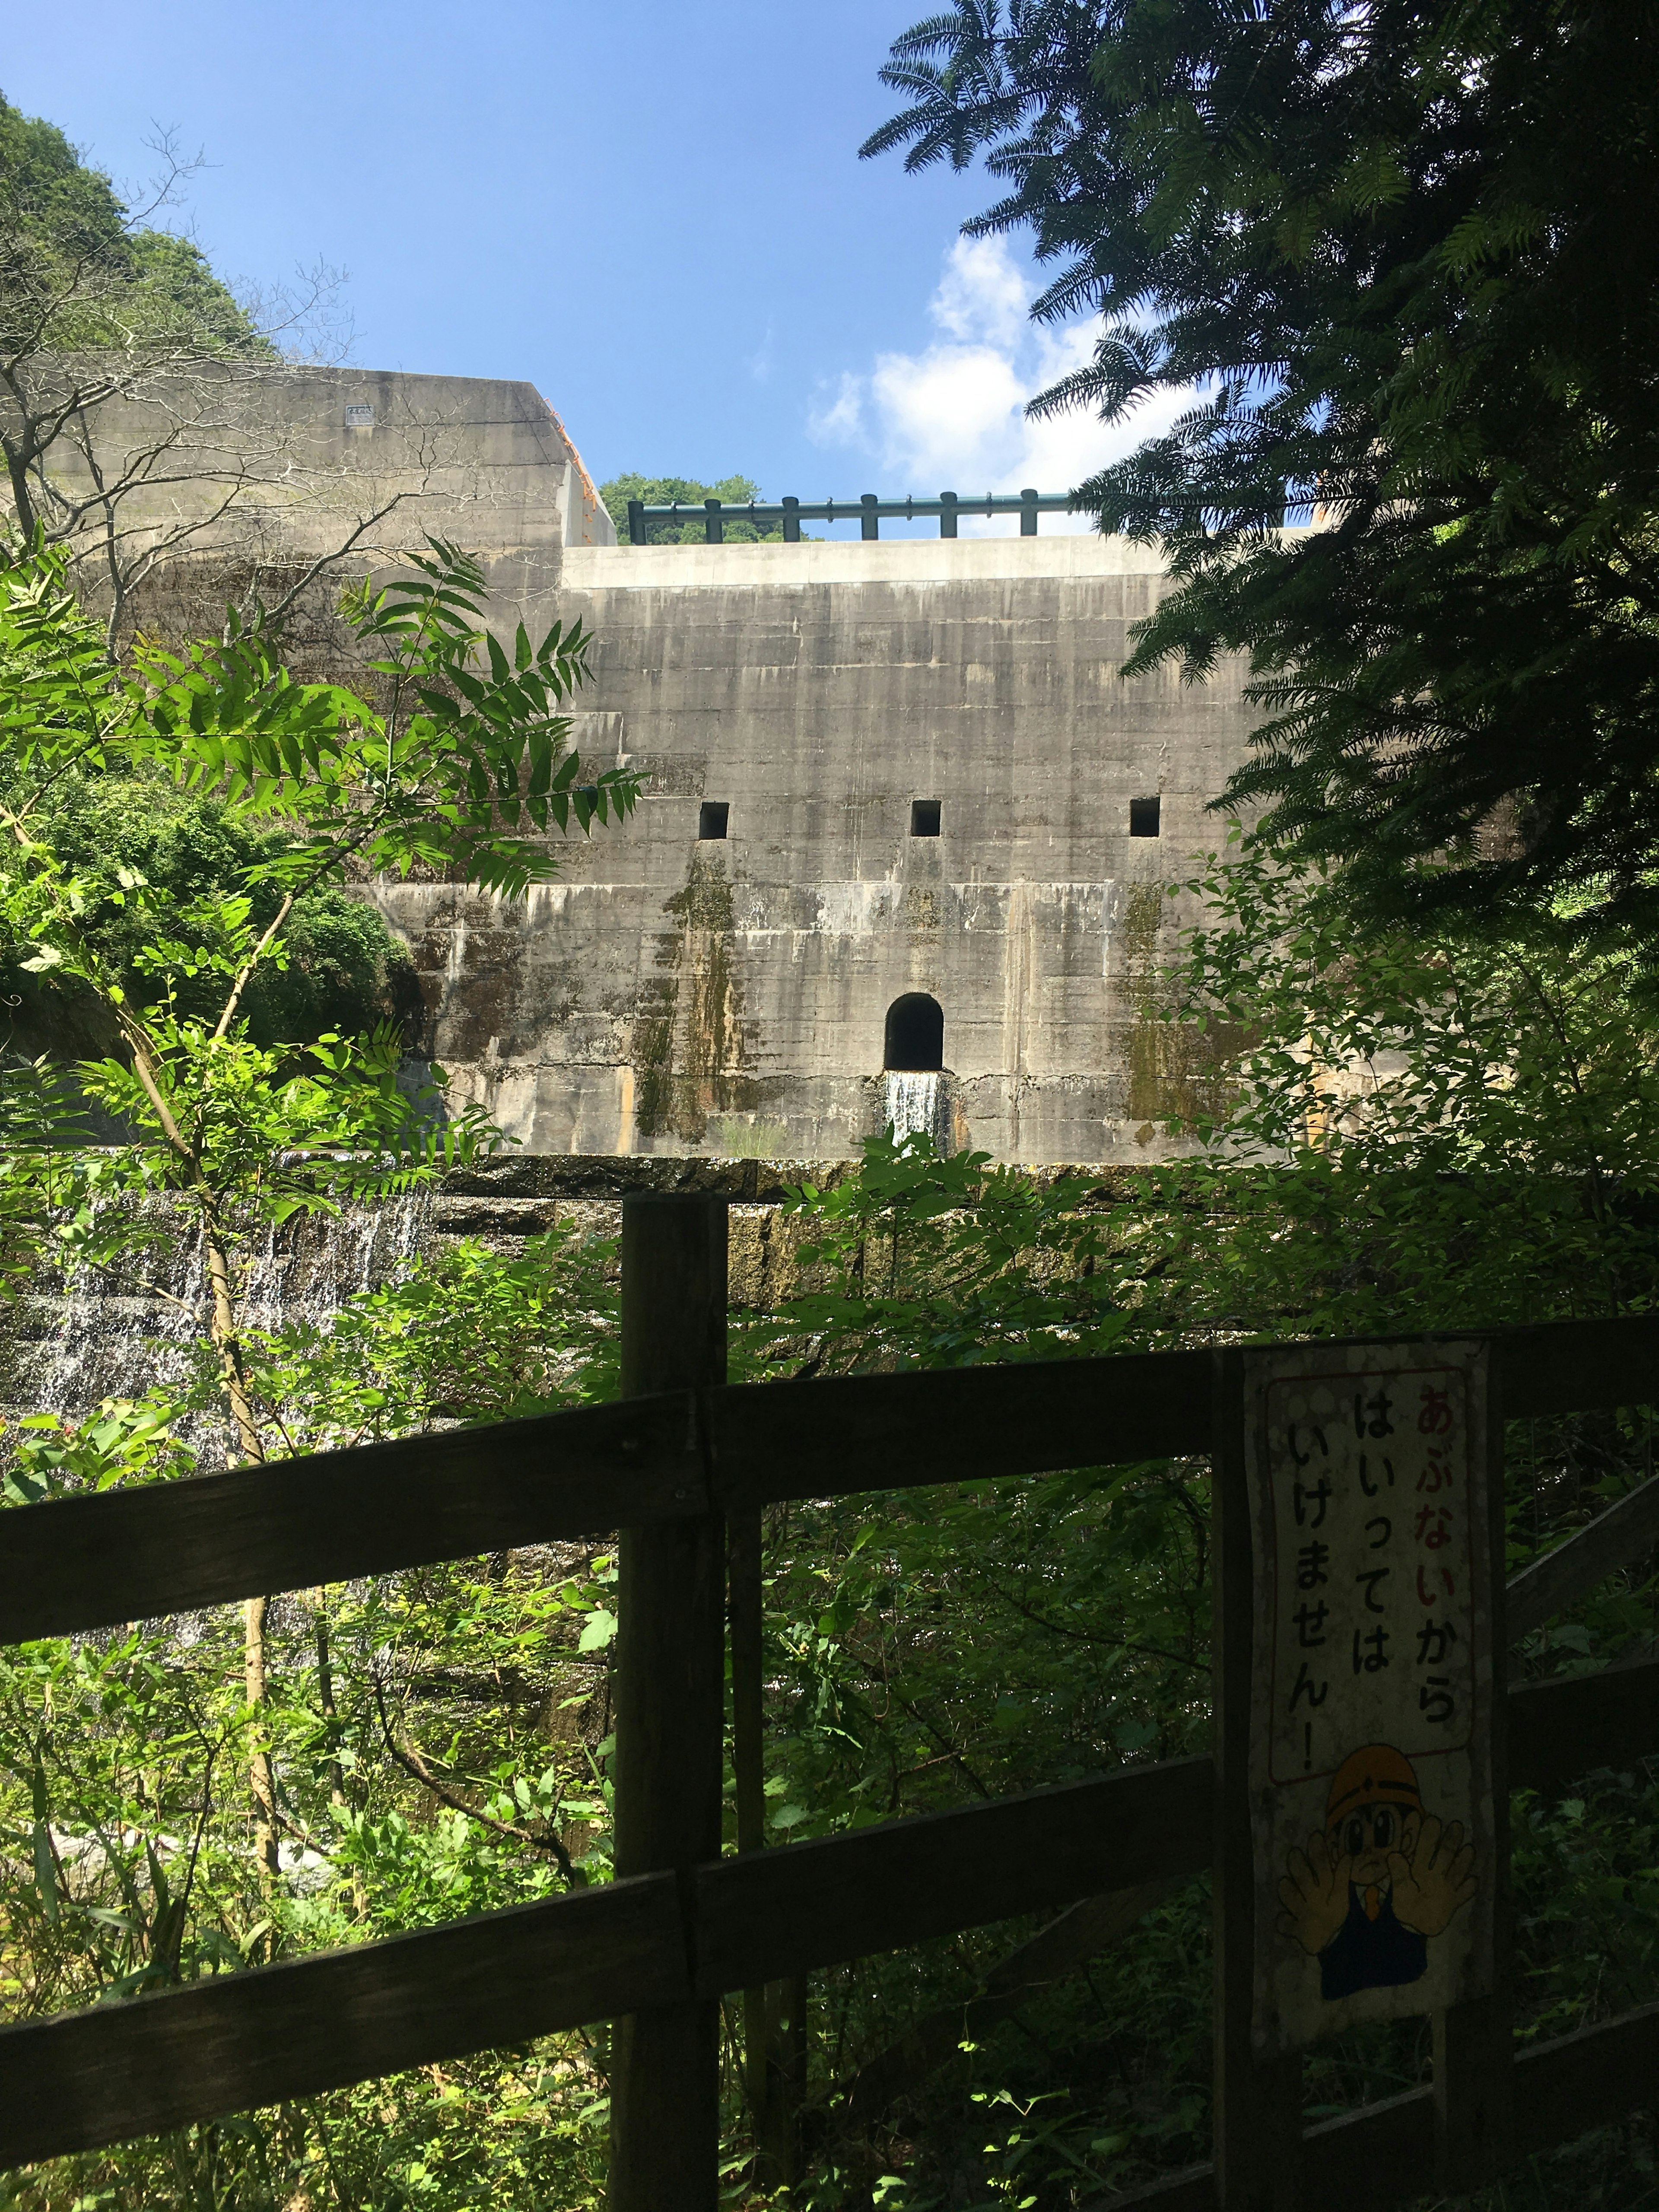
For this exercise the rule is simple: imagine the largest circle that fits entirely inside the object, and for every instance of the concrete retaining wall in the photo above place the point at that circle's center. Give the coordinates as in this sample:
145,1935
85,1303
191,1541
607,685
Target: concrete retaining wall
673,993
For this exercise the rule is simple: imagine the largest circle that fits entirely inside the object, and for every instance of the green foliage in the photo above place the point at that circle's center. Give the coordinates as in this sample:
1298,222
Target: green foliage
1400,263
54,212
1423,1129
178,836
344,970
461,768
441,1739
464,768
468,1335
930,1262
662,491
1404,1131
128,1867
463,762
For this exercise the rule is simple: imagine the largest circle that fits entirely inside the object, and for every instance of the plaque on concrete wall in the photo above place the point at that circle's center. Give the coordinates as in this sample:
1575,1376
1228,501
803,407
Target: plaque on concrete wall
1372,1681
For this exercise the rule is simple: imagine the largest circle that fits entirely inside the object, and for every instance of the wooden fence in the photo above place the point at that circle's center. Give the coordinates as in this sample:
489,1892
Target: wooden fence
681,1460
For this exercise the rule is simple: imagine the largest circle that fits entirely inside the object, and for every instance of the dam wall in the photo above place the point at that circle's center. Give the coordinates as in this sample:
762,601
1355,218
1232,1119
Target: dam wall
905,830
871,773
238,477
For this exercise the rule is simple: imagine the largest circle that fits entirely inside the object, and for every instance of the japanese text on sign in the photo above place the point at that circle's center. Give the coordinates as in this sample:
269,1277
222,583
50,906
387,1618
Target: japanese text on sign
1370,1787
1373,1573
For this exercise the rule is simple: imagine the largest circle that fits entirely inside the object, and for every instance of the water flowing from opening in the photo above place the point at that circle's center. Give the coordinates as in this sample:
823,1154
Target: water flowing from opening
917,1105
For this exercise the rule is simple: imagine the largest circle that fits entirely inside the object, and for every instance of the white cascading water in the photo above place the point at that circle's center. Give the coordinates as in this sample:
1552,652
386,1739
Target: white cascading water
917,1105
67,1352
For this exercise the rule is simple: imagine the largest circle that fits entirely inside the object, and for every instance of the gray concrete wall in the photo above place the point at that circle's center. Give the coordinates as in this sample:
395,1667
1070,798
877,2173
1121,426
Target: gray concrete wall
243,461
674,995
669,995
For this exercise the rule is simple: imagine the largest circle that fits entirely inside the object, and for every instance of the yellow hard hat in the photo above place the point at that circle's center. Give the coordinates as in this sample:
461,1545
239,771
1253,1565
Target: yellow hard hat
1377,1775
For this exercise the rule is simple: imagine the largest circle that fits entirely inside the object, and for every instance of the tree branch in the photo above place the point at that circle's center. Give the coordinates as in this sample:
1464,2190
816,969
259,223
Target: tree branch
410,1761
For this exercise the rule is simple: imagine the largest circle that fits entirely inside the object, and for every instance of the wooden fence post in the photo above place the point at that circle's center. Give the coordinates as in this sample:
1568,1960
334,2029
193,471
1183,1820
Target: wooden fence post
1474,2042
1258,2103
665,2078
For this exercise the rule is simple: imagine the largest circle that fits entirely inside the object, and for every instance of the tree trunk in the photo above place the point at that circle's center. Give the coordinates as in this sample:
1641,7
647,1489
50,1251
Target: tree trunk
222,1333
261,1772
227,1344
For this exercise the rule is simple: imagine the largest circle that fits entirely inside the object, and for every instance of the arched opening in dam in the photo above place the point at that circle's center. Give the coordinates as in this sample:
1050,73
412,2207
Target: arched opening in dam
915,1035
912,1064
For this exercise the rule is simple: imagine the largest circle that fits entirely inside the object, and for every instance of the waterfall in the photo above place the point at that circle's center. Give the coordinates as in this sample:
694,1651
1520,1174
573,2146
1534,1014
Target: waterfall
80,1339
917,1105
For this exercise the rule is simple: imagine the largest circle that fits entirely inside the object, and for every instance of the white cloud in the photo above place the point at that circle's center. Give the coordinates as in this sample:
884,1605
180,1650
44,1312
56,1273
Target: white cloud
982,297
936,409
840,421
952,417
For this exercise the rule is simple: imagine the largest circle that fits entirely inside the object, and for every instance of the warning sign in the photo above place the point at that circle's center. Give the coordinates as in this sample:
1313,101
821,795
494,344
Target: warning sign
1371,1684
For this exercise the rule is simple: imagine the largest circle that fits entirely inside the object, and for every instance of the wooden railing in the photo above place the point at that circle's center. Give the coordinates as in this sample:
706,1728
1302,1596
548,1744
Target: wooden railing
664,1940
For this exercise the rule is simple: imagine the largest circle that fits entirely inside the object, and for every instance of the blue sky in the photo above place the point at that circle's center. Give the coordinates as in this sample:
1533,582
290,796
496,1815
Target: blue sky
655,213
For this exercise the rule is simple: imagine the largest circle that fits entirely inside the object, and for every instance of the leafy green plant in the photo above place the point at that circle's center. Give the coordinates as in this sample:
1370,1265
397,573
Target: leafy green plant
461,765
1400,1132
440,1740
1388,267
464,767
1420,1128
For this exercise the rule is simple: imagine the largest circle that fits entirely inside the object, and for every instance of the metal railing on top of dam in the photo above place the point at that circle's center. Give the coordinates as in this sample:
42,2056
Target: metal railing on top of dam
868,511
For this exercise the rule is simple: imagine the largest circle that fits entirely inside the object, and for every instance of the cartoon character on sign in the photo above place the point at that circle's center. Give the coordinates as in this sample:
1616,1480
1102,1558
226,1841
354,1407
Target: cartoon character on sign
1379,1879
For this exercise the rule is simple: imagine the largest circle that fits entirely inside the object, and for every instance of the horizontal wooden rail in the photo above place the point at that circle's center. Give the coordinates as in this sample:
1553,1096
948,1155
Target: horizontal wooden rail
1383,2155
864,1432
85,2079
771,1914
1623,1532
1577,1366
1563,1729
91,1562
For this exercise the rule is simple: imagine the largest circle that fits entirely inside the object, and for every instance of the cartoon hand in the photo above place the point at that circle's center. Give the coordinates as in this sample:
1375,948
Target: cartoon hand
1315,1895
1437,1881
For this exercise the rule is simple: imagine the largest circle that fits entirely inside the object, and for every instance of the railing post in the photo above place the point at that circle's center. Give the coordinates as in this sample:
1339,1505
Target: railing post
869,521
1028,512
947,522
1258,2104
1474,2042
713,529
790,520
664,2081
636,522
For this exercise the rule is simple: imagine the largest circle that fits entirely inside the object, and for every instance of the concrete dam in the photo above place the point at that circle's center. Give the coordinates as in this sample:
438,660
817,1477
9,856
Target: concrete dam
904,827
900,856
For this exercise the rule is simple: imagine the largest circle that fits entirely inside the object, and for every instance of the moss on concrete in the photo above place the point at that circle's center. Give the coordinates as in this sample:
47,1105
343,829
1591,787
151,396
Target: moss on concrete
691,1046
1176,1071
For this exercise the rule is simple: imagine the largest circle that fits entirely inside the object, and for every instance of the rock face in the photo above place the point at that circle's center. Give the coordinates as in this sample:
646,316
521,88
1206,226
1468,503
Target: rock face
906,771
